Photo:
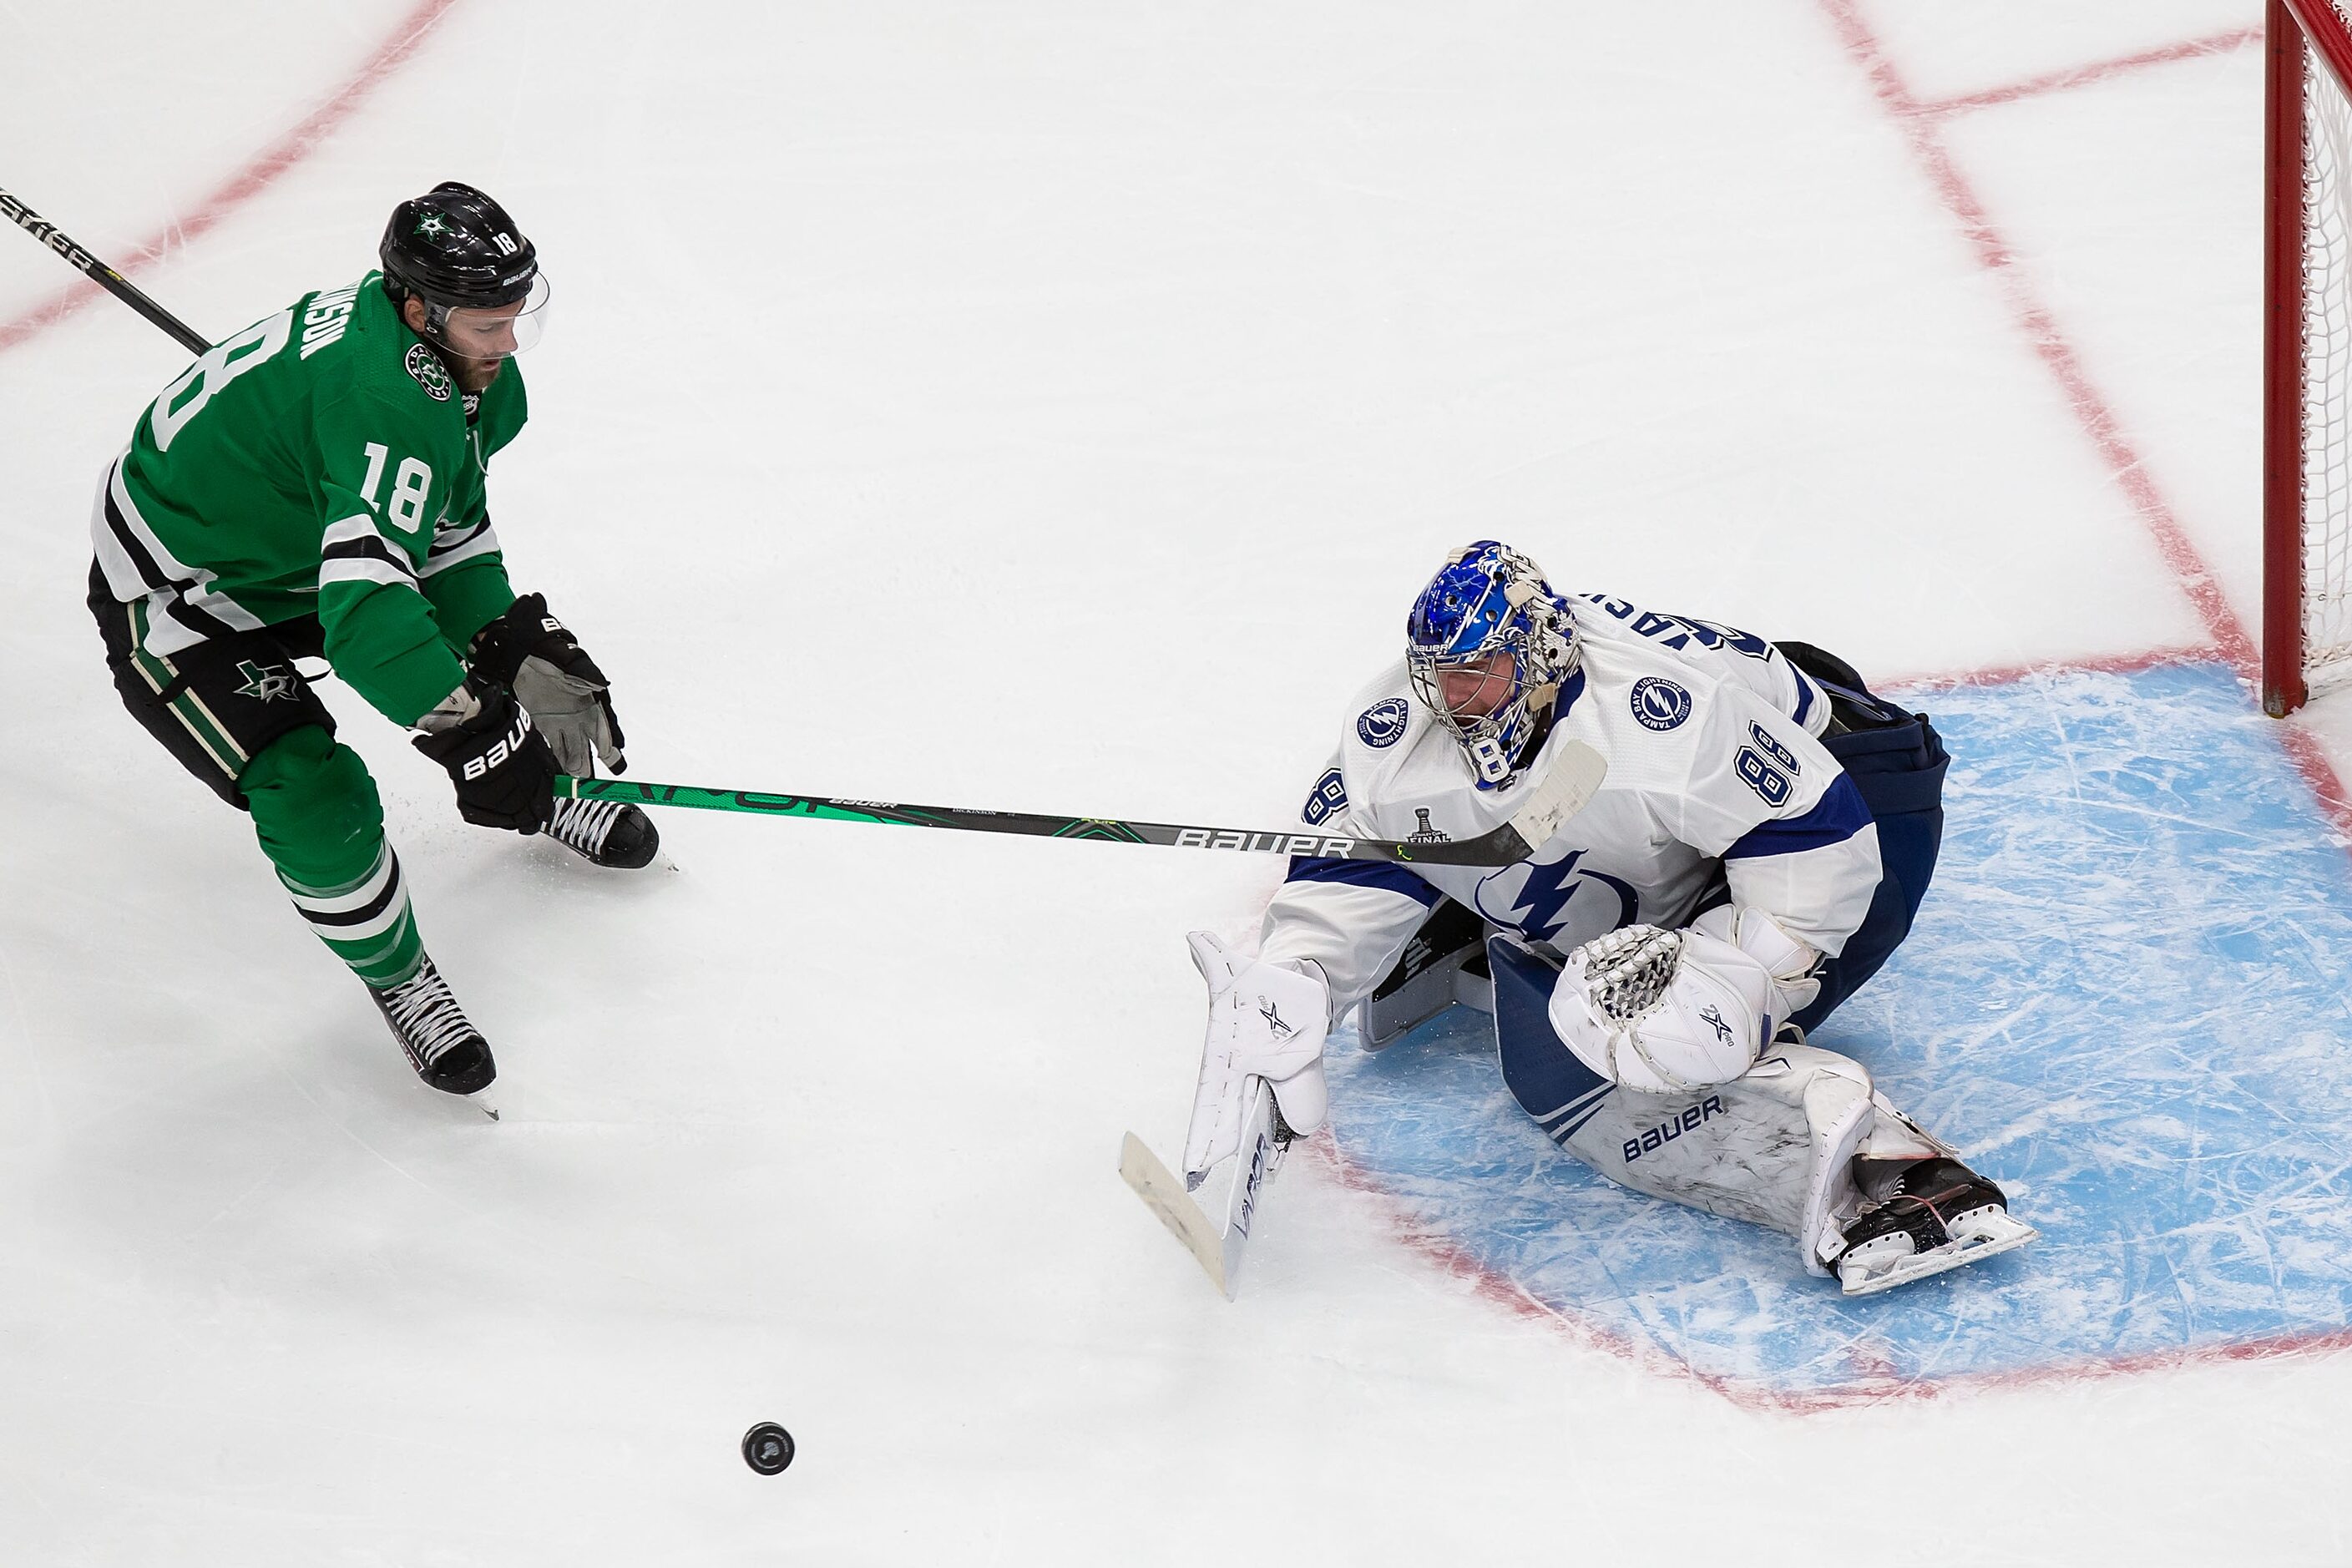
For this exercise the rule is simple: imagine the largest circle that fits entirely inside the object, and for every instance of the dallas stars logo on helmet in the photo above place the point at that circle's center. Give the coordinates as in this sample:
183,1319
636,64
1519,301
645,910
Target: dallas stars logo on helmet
265,682
431,225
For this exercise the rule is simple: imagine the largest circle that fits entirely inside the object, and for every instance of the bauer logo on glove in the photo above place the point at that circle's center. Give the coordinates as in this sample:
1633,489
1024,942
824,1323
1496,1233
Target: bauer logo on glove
476,766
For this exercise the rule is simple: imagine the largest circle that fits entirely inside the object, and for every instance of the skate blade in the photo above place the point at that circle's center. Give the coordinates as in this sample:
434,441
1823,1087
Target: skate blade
1990,1233
466,1107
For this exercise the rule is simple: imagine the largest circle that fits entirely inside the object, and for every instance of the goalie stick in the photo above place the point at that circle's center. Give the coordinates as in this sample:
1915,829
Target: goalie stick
100,273
1576,772
1219,1250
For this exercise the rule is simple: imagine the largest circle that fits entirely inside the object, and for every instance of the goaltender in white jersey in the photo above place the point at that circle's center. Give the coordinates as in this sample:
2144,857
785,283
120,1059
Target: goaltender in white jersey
1760,843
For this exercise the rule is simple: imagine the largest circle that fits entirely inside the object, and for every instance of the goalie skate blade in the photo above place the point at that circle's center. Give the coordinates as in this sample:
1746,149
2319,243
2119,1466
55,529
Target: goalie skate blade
1164,1196
1984,1235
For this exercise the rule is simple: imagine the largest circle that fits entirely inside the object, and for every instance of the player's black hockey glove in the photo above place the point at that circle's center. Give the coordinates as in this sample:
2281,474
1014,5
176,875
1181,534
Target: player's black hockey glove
529,652
504,772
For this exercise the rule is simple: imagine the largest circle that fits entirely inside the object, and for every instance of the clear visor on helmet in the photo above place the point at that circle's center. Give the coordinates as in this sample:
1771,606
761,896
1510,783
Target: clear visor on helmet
492,332
1468,691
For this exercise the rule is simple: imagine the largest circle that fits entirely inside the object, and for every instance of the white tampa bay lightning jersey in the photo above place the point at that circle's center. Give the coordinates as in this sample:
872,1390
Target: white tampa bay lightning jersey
1730,653
1706,780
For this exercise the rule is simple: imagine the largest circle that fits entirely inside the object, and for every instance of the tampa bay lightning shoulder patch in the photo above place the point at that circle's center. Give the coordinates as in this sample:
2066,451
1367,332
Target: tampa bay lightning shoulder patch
1382,725
1659,704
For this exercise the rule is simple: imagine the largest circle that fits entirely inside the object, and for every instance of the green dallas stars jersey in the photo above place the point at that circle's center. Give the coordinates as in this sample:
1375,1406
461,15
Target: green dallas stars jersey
320,462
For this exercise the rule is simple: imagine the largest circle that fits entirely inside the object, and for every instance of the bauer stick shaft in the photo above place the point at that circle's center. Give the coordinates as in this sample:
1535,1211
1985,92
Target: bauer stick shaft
100,273
1575,774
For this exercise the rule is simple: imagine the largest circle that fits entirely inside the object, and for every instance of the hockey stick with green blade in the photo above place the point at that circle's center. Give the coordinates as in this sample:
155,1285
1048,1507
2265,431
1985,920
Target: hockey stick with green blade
1575,774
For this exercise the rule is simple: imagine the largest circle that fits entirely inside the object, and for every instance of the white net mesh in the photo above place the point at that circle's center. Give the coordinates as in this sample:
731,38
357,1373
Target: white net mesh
2328,373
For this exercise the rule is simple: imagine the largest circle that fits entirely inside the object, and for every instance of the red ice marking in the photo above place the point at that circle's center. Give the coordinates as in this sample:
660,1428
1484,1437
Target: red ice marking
2002,674
402,43
2102,70
1874,1380
1923,129
1920,124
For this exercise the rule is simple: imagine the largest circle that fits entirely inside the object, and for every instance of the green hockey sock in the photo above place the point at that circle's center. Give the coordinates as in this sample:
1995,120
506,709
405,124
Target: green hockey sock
316,811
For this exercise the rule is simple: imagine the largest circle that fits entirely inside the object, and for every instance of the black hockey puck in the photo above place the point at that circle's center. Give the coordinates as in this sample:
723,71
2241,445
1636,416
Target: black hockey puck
768,1448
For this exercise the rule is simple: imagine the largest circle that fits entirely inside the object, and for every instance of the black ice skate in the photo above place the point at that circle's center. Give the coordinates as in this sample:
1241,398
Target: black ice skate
605,833
447,1052
1941,1215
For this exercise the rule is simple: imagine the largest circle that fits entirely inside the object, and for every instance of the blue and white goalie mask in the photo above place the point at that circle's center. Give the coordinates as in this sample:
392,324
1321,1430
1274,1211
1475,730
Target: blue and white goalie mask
1488,643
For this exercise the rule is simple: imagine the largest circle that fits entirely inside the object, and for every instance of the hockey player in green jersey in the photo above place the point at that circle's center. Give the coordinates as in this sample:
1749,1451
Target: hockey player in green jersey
313,488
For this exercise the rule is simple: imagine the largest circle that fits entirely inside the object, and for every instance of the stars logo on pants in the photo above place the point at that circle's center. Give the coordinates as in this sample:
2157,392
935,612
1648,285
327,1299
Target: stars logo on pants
265,682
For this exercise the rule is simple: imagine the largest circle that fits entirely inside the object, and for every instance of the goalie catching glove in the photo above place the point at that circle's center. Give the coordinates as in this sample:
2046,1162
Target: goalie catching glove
1794,964
1267,1021
530,653
1662,1012
1665,1012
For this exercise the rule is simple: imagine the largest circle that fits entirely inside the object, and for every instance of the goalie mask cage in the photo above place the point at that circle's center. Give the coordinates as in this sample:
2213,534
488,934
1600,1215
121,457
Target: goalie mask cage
2307,353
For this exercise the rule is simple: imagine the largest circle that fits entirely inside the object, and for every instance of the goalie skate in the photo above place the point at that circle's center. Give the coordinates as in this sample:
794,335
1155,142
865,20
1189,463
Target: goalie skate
1942,1217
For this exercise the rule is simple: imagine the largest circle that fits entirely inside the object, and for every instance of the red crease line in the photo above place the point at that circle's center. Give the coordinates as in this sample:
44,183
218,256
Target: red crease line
2092,411
1877,1382
2084,76
259,175
1920,126
2004,674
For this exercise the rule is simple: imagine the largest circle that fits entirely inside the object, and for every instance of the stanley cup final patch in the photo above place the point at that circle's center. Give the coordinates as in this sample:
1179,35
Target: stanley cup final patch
430,372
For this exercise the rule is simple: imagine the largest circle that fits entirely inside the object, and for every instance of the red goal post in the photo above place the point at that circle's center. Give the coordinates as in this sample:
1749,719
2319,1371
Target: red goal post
2306,352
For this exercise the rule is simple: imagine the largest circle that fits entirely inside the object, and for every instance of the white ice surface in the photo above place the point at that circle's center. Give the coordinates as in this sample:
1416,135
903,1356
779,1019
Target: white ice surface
1044,406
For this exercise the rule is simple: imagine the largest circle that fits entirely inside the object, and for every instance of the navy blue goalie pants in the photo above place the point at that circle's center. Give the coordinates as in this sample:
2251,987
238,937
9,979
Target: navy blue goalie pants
1897,763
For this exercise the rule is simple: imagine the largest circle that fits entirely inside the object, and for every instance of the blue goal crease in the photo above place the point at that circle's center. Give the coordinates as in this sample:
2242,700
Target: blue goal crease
2128,999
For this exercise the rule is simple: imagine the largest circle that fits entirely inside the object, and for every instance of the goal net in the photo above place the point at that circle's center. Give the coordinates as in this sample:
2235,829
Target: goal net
2307,354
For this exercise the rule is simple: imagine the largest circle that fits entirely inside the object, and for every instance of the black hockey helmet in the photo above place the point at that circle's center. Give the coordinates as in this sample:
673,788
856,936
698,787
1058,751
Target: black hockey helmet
455,249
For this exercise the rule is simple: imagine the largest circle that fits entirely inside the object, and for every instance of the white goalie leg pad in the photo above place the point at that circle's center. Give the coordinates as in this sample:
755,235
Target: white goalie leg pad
1775,1146
1840,1105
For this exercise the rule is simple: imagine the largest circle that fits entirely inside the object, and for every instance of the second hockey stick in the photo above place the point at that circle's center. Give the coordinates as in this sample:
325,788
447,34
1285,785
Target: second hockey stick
1576,772
100,273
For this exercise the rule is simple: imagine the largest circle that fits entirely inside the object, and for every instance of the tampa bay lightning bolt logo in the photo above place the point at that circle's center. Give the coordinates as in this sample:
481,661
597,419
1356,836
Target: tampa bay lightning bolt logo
1659,704
1382,725
1536,905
